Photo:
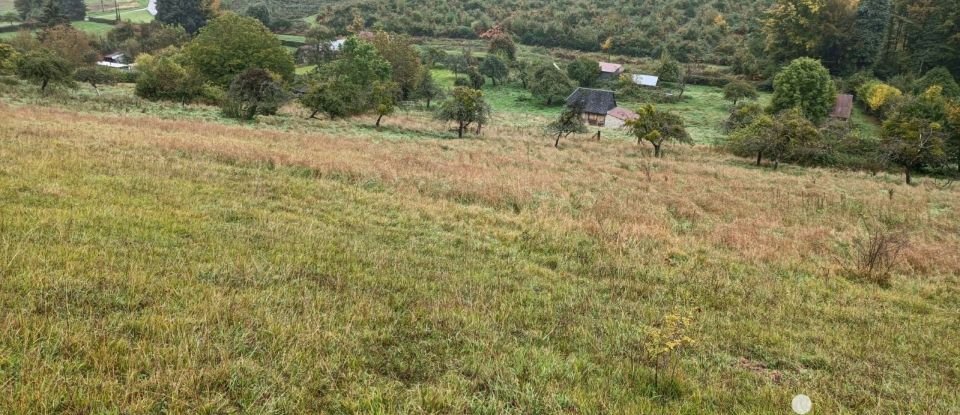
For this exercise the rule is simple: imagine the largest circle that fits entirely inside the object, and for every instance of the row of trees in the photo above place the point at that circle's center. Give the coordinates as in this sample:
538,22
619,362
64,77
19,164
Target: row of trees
50,12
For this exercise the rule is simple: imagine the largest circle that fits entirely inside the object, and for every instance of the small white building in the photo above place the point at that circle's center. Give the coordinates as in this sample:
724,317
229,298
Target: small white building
646,80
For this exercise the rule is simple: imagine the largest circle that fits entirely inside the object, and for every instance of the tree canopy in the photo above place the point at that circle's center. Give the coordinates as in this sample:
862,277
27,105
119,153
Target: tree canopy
807,85
231,44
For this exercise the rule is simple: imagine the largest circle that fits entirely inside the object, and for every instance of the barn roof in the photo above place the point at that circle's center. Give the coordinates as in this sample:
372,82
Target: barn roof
844,107
607,67
593,101
621,113
646,80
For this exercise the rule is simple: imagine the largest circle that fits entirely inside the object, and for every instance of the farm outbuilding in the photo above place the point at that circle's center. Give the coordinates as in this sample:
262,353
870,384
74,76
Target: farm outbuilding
594,104
618,117
610,70
646,80
843,109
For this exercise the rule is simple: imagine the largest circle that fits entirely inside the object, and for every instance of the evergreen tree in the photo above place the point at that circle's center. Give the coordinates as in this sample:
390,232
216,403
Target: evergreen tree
189,14
870,32
53,15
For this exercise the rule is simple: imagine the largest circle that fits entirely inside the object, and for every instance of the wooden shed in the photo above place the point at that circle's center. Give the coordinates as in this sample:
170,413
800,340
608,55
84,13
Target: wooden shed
594,103
843,109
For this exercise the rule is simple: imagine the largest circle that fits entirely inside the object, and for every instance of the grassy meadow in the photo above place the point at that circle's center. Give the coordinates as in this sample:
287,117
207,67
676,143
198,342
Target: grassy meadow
157,258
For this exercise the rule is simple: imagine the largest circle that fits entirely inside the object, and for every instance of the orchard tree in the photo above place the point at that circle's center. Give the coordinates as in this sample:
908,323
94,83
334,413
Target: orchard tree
805,84
231,44
550,85
70,44
404,61
502,44
346,86
657,127
189,14
329,98
915,136
669,69
584,71
738,90
10,18
494,67
95,76
427,89
43,67
475,78
780,138
254,92
384,99
569,122
465,107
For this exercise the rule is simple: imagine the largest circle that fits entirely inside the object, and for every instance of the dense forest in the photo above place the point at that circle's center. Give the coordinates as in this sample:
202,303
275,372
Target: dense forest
755,36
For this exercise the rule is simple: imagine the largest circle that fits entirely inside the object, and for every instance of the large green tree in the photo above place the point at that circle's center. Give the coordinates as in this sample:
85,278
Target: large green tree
550,85
253,92
189,14
352,84
231,44
495,68
584,71
44,68
804,84
404,61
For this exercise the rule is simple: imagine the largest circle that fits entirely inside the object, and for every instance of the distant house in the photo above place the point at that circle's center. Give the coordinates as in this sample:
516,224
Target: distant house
116,60
843,109
617,117
594,103
116,57
646,80
610,70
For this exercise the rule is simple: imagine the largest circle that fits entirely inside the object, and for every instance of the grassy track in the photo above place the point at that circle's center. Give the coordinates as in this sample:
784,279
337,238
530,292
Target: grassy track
153,265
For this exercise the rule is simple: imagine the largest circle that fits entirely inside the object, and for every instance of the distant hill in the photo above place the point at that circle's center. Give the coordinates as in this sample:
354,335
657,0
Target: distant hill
691,29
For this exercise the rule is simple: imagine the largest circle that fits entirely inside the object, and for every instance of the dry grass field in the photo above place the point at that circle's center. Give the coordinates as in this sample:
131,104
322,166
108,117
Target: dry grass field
152,265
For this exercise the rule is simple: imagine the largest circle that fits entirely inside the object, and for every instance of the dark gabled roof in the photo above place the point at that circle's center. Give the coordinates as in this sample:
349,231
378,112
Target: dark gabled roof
593,101
844,107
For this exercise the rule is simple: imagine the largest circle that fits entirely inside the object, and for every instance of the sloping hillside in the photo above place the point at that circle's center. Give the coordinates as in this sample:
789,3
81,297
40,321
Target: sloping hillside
152,265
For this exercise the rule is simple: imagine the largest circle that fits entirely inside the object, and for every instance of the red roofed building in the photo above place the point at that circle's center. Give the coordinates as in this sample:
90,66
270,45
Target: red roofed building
843,108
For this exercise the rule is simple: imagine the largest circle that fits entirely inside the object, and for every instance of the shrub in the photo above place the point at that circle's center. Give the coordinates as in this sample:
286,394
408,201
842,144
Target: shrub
807,85
253,92
162,78
876,253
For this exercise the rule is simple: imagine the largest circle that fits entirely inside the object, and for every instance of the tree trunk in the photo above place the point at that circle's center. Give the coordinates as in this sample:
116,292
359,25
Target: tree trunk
428,103
379,117
557,143
43,86
313,114
460,130
906,173
96,89
759,158
776,163
656,150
